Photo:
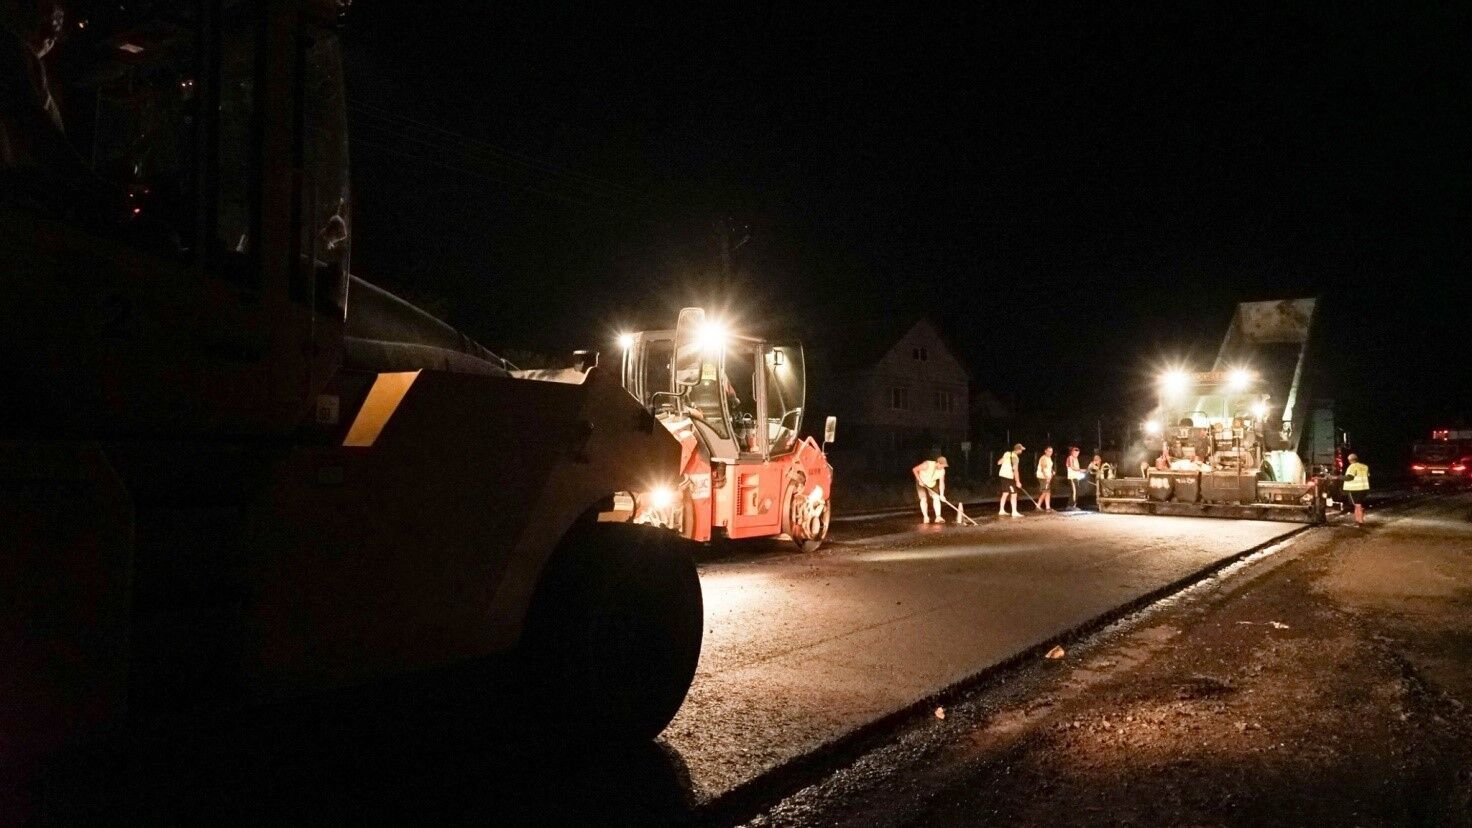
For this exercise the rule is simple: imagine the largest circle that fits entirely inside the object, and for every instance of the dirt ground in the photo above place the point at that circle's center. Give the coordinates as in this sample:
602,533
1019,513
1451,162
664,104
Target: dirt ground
1329,683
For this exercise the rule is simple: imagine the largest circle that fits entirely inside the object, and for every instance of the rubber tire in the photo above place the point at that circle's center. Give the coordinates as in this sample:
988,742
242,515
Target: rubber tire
614,632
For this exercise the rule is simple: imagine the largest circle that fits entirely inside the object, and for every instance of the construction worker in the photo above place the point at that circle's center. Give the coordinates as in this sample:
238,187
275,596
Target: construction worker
1075,474
1010,472
1357,487
930,483
1045,480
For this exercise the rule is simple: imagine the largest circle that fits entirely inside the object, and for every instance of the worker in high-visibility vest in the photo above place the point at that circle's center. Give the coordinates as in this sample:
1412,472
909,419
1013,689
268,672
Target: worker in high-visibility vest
1045,480
1009,471
1075,474
1357,487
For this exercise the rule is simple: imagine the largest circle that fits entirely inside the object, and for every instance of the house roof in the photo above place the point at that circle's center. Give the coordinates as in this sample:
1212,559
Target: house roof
857,346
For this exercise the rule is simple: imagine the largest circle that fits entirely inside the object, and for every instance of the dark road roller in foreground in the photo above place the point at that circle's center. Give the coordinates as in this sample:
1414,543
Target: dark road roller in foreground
231,473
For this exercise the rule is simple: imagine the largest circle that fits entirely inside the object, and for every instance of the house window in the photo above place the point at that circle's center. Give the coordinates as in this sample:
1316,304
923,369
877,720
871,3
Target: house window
944,401
899,399
918,354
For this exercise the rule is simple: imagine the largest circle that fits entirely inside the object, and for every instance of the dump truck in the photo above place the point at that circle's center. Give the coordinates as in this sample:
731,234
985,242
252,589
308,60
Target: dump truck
231,472
736,403
1226,442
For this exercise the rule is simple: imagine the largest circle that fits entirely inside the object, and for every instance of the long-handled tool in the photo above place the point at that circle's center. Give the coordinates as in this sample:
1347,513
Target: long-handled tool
960,513
1029,497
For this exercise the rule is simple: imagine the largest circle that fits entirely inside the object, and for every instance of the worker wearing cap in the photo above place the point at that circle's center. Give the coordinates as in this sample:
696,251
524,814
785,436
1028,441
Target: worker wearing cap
1357,487
1010,472
930,482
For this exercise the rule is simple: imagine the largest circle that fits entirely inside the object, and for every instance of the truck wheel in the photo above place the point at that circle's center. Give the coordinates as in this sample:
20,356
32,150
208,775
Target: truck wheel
613,635
806,524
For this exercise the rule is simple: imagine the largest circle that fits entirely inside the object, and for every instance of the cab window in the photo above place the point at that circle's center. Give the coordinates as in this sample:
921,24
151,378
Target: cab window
740,396
785,389
322,156
153,115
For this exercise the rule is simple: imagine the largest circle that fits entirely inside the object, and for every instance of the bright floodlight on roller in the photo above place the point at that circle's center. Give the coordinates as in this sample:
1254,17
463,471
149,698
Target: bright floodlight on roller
1239,379
711,336
1152,427
1260,409
1174,382
625,341
661,497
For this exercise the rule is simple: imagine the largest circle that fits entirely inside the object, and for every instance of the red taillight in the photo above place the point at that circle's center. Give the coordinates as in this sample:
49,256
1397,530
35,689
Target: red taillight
1459,468
1417,467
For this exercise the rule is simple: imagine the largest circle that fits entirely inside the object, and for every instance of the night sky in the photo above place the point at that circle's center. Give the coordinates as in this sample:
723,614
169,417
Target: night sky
1076,194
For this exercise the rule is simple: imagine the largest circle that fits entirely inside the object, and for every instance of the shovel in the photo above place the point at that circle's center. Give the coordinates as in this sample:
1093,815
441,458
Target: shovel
961,515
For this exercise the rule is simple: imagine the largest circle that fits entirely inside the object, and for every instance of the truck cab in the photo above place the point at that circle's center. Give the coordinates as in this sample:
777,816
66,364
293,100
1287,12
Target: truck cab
737,405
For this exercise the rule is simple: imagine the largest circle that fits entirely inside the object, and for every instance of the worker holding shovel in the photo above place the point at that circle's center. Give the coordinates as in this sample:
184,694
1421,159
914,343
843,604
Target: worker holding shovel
1010,472
930,484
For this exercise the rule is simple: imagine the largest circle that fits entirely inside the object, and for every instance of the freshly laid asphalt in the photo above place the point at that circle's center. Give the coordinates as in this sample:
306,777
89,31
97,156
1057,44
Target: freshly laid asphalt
801,650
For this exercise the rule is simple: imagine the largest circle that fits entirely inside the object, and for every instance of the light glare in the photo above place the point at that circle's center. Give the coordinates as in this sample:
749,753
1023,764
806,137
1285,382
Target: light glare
1174,382
711,336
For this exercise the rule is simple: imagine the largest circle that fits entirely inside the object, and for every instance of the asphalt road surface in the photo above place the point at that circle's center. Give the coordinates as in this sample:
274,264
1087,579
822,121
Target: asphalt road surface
801,650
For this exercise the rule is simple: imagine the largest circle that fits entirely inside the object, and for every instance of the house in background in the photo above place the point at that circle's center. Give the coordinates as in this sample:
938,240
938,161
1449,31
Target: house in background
900,392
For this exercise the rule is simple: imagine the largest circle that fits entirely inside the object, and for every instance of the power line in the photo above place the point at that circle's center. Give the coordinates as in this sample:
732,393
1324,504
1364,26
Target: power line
460,157
479,174
511,158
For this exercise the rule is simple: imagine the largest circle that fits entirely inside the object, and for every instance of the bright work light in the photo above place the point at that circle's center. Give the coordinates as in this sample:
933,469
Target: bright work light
661,497
711,336
1239,379
1174,382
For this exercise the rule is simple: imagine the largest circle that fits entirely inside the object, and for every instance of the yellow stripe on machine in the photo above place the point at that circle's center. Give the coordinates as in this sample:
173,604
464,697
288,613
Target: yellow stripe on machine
383,400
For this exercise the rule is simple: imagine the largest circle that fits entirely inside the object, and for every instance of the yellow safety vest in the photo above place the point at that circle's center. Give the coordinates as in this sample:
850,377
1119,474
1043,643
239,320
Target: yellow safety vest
1361,481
